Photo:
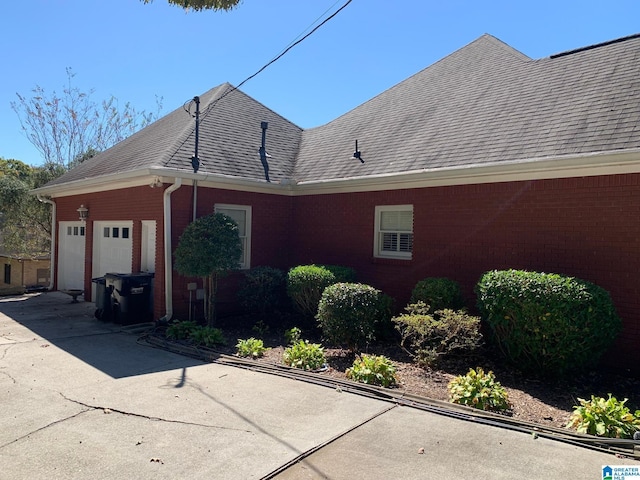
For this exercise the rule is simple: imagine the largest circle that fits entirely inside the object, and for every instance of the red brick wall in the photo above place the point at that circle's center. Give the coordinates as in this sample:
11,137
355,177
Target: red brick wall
137,204
585,227
271,223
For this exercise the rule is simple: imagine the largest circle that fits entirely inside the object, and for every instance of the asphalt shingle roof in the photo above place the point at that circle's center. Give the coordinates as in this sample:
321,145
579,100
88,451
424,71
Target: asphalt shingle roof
230,135
485,103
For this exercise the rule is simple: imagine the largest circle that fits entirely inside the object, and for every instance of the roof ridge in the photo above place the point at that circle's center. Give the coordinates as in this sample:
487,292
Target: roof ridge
595,45
484,37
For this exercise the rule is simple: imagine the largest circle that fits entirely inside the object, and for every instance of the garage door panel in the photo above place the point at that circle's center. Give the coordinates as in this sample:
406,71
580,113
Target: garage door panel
71,252
113,248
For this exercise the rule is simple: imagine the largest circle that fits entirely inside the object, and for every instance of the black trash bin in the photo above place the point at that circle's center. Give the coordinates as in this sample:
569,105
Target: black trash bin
103,299
130,297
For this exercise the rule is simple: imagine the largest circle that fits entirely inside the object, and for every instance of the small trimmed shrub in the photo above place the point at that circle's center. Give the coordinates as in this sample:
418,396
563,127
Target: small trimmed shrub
373,370
438,293
427,337
207,336
479,390
304,355
547,323
292,335
605,418
181,330
262,290
348,313
342,274
250,347
305,285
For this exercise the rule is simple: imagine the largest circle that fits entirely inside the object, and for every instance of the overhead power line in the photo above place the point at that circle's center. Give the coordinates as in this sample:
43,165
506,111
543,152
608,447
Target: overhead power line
275,59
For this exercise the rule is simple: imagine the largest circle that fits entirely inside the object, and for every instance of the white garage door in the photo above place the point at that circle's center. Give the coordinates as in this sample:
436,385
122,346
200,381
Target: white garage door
71,243
112,248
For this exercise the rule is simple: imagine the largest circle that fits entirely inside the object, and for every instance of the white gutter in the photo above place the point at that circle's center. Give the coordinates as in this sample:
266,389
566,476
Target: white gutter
168,267
52,258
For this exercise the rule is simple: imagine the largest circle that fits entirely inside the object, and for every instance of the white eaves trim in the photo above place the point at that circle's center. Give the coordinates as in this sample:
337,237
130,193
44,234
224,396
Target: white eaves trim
584,165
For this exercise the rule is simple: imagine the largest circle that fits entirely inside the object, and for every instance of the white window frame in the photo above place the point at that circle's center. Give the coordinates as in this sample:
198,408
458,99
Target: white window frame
378,233
245,262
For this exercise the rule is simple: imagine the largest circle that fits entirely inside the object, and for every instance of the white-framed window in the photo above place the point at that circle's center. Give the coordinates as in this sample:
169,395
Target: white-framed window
242,215
393,236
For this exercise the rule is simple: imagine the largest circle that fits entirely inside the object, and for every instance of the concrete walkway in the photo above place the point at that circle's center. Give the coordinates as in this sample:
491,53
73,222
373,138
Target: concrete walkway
82,399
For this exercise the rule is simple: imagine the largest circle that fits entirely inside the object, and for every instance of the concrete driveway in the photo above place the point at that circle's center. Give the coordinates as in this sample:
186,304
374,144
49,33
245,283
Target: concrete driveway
82,399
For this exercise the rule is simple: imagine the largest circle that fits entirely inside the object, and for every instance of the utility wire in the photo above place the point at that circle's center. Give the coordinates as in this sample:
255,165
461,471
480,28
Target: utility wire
275,59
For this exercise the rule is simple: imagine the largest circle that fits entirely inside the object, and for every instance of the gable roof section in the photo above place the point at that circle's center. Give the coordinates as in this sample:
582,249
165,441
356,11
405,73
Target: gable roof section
229,138
482,105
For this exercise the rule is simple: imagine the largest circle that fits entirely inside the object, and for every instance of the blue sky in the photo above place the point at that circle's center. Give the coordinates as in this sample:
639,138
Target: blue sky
136,52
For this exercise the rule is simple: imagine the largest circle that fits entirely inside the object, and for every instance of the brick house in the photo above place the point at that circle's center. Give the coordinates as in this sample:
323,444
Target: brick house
485,160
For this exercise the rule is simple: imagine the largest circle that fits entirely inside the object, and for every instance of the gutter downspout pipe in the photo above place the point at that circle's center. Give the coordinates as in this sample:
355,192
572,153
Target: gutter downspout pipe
52,260
168,266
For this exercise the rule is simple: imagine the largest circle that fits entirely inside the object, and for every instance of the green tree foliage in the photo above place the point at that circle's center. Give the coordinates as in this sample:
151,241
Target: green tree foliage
209,248
68,127
25,222
199,5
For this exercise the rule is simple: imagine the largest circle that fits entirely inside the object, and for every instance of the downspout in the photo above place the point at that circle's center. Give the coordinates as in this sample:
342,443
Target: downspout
52,260
168,267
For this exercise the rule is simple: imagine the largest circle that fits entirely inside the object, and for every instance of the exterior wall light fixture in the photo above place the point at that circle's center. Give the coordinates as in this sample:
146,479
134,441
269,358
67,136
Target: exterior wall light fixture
83,213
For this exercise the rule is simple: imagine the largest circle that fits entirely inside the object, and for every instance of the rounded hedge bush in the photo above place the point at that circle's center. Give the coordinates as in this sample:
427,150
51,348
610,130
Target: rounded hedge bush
262,289
547,323
305,284
349,313
438,293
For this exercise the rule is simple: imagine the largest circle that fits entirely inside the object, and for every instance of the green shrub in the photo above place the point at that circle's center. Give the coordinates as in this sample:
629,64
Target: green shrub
605,418
305,285
348,313
304,355
262,290
547,323
292,335
427,337
181,330
207,336
373,370
342,274
438,293
479,390
250,347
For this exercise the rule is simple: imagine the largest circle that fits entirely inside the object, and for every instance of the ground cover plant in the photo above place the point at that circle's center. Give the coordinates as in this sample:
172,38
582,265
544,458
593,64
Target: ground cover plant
605,417
250,347
372,370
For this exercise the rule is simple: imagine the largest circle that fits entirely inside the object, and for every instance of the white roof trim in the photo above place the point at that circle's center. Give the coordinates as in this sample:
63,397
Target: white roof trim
584,165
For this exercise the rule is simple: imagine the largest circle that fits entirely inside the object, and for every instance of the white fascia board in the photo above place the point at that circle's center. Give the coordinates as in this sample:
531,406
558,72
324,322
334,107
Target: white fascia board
148,176
585,165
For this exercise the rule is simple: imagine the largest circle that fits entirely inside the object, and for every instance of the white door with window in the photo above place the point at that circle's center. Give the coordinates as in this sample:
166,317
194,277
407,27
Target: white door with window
71,248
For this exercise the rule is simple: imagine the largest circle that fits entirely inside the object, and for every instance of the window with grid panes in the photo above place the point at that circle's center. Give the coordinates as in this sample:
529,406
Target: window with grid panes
394,231
242,216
